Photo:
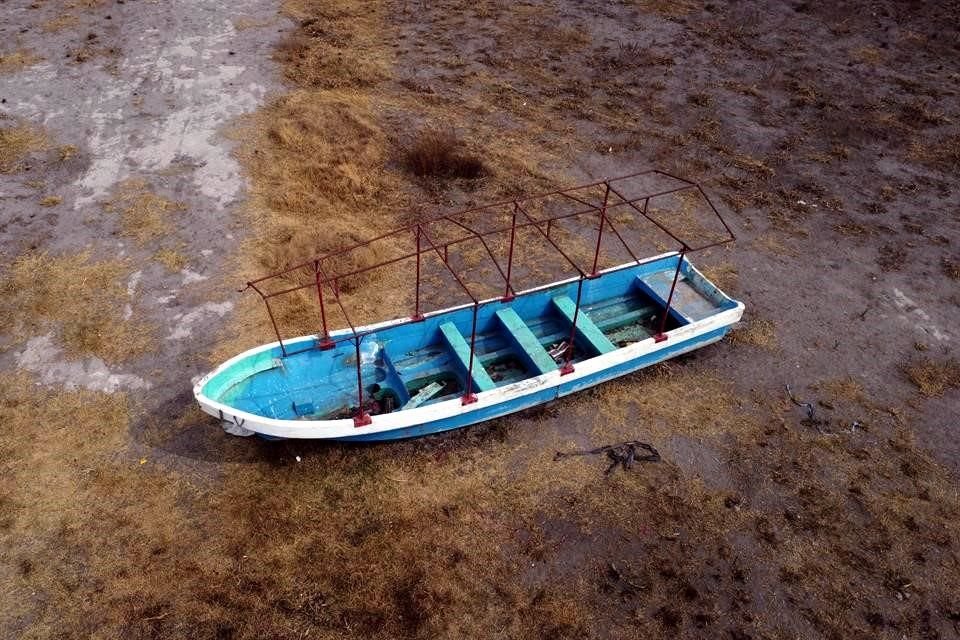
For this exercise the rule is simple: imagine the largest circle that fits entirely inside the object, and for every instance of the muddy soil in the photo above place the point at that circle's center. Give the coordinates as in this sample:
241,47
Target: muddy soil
828,136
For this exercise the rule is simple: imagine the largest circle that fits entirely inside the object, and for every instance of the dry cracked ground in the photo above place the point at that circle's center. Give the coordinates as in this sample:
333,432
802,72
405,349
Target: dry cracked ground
156,155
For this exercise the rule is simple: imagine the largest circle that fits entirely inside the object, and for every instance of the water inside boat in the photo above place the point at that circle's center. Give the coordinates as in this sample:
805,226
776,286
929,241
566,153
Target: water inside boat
415,364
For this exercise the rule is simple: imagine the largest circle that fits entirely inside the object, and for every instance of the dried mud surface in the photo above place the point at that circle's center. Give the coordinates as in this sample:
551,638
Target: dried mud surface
155,155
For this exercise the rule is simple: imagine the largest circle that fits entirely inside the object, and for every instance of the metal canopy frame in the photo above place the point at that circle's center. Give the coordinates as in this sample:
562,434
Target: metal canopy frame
521,218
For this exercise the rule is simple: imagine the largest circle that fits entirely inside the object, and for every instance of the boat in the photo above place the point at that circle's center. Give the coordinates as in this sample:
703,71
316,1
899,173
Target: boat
445,369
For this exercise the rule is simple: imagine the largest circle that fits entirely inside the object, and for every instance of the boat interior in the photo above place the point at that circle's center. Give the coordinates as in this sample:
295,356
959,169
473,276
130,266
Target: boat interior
424,362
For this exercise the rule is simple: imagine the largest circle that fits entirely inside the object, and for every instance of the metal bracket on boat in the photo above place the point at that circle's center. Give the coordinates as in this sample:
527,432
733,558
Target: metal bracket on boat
362,419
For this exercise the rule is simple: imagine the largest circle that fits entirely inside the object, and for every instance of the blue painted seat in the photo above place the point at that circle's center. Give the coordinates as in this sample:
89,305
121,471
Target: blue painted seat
461,351
523,339
586,329
687,302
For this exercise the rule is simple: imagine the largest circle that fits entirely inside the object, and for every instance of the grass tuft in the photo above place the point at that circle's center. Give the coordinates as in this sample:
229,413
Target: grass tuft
16,143
757,332
933,377
11,62
942,154
61,22
171,259
951,268
440,153
144,215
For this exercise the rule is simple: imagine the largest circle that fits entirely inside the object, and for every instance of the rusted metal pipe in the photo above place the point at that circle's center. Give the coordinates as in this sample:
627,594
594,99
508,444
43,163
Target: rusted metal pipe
469,397
362,418
508,291
661,336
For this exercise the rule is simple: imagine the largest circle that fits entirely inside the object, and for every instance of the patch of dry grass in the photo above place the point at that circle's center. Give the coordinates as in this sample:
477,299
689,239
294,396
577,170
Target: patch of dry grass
867,55
317,161
16,143
675,9
933,377
16,60
171,259
660,403
951,268
81,298
50,201
942,153
61,22
847,389
724,275
67,151
440,153
337,45
757,332
144,215
243,23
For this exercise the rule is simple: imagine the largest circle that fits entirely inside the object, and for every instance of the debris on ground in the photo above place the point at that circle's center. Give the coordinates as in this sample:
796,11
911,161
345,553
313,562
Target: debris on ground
623,454
811,420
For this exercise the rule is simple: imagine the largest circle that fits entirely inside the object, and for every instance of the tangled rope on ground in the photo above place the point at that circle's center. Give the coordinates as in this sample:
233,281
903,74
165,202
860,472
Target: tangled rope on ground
623,454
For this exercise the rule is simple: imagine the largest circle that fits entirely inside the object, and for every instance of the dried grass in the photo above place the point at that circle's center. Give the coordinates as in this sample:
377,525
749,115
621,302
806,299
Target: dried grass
77,296
668,8
50,201
867,55
942,153
144,215
17,60
336,46
61,22
16,143
951,268
66,152
171,259
847,389
243,23
439,153
724,275
757,332
933,377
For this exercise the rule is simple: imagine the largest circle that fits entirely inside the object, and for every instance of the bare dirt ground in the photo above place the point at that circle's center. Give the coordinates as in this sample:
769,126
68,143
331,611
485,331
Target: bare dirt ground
153,156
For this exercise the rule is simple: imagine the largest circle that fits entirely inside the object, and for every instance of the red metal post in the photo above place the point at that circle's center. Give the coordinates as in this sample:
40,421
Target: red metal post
508,292
469,397
325,342
362,418
603,220
273,320
661,336
568,365
416,312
